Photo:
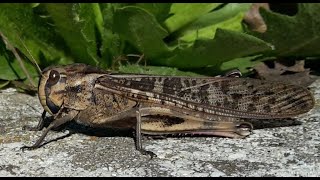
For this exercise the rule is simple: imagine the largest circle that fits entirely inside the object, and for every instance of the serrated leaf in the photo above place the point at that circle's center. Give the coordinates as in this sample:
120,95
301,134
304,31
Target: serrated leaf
142,30
159,10
297,35
112,45
76,23
244,64
210,31
225,46
184,13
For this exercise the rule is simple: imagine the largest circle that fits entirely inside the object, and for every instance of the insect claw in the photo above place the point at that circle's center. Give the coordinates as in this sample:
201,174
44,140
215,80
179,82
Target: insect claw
23,148
30,128
150,153
244,128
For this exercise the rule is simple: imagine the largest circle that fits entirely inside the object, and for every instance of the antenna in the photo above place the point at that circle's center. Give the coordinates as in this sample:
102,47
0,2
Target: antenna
33,59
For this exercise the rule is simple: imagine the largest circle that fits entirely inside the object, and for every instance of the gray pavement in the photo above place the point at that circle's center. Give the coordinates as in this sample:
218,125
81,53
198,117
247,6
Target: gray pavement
291,150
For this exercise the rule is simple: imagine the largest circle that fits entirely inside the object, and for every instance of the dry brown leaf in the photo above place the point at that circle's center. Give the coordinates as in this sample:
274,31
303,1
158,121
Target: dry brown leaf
296,74
254,19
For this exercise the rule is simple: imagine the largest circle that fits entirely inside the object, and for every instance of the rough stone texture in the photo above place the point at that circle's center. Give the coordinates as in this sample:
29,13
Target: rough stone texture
280,151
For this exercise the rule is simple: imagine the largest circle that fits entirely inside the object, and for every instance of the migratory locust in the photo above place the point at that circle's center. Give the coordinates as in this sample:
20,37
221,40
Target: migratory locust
160,105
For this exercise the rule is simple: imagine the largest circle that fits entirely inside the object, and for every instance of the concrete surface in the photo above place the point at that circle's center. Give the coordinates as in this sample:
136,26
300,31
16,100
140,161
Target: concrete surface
291,150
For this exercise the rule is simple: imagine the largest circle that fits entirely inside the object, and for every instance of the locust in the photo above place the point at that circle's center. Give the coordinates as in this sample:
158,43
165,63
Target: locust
162,105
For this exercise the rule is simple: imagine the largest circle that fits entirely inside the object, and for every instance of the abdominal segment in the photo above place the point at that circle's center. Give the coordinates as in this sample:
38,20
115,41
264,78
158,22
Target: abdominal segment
162,125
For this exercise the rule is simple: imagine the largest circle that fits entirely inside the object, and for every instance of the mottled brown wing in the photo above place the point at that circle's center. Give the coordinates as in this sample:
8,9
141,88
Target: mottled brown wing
235,97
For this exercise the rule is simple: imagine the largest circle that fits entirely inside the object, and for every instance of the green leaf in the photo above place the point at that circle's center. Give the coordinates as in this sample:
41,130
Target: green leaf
228,17
98,17
217,16
210,31
156,70
142,30
159,10
243,64
226,45
77,24
10,68
112,45
297,35
21,24
184,13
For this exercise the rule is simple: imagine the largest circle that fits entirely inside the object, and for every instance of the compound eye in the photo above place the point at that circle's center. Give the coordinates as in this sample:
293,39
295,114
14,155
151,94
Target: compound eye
54,77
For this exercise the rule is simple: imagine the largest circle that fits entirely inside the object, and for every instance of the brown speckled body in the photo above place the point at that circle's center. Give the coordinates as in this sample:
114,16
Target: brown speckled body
166,105
98,95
